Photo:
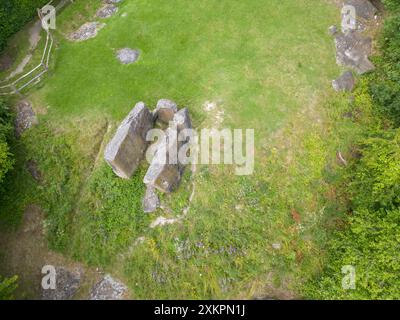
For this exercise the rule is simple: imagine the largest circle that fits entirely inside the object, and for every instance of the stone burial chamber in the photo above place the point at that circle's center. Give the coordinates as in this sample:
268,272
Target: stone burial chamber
129,145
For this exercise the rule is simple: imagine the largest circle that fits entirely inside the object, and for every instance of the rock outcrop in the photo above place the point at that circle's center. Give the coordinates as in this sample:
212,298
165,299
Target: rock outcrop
108,289
86,31
67,284
128,146
25,119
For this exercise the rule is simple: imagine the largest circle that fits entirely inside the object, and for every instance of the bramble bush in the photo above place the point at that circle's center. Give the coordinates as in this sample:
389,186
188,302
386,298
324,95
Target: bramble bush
7,287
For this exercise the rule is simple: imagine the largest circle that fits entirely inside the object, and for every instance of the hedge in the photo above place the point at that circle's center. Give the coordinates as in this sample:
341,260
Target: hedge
14,14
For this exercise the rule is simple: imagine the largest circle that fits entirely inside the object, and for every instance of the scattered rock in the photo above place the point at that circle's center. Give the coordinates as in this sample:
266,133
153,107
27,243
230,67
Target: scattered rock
161,221
276,246
151,201
165,110
127,148
127,56
364,8
107,11
333,30
164,172
352,50
345,82
33,169
108,289
26,117
67,284
112,1
87,31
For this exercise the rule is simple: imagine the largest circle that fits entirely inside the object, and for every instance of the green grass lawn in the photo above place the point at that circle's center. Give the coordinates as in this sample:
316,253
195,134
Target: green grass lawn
268,65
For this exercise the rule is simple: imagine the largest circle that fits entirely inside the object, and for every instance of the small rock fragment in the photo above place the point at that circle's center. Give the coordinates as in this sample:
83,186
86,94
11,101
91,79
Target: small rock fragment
165,110
333,30
345,82
150,201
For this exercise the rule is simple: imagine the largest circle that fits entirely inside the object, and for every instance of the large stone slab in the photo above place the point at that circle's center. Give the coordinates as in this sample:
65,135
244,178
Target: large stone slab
127,148
352,50
163,173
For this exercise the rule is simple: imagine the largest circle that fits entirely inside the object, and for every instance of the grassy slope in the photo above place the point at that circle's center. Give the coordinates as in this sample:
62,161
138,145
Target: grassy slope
268,64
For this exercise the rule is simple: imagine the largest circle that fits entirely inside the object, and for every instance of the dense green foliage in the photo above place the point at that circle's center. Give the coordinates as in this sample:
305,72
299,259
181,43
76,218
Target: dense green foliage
14,14
370,239
6,160
385,85
7,287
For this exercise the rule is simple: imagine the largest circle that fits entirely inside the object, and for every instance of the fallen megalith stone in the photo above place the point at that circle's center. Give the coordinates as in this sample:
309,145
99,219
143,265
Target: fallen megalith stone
127,148
107,11
352,50
25,119
108,289
128,56
164,172
165,110
345,82
67,284
150,201
87,31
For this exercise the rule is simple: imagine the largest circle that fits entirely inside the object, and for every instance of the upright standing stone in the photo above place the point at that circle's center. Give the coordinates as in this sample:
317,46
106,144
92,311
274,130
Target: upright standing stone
182,119
164,172
127,148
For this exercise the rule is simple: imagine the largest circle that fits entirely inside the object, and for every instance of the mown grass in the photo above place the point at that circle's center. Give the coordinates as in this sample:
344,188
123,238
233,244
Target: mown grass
268,65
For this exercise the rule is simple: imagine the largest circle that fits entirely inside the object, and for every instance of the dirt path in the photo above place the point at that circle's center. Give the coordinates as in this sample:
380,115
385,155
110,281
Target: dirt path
25,253
34,38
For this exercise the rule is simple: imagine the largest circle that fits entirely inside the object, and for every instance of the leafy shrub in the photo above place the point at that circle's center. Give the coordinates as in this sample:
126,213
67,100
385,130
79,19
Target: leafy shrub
385,87
7,287
370,243
6,160
14,14
375,178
